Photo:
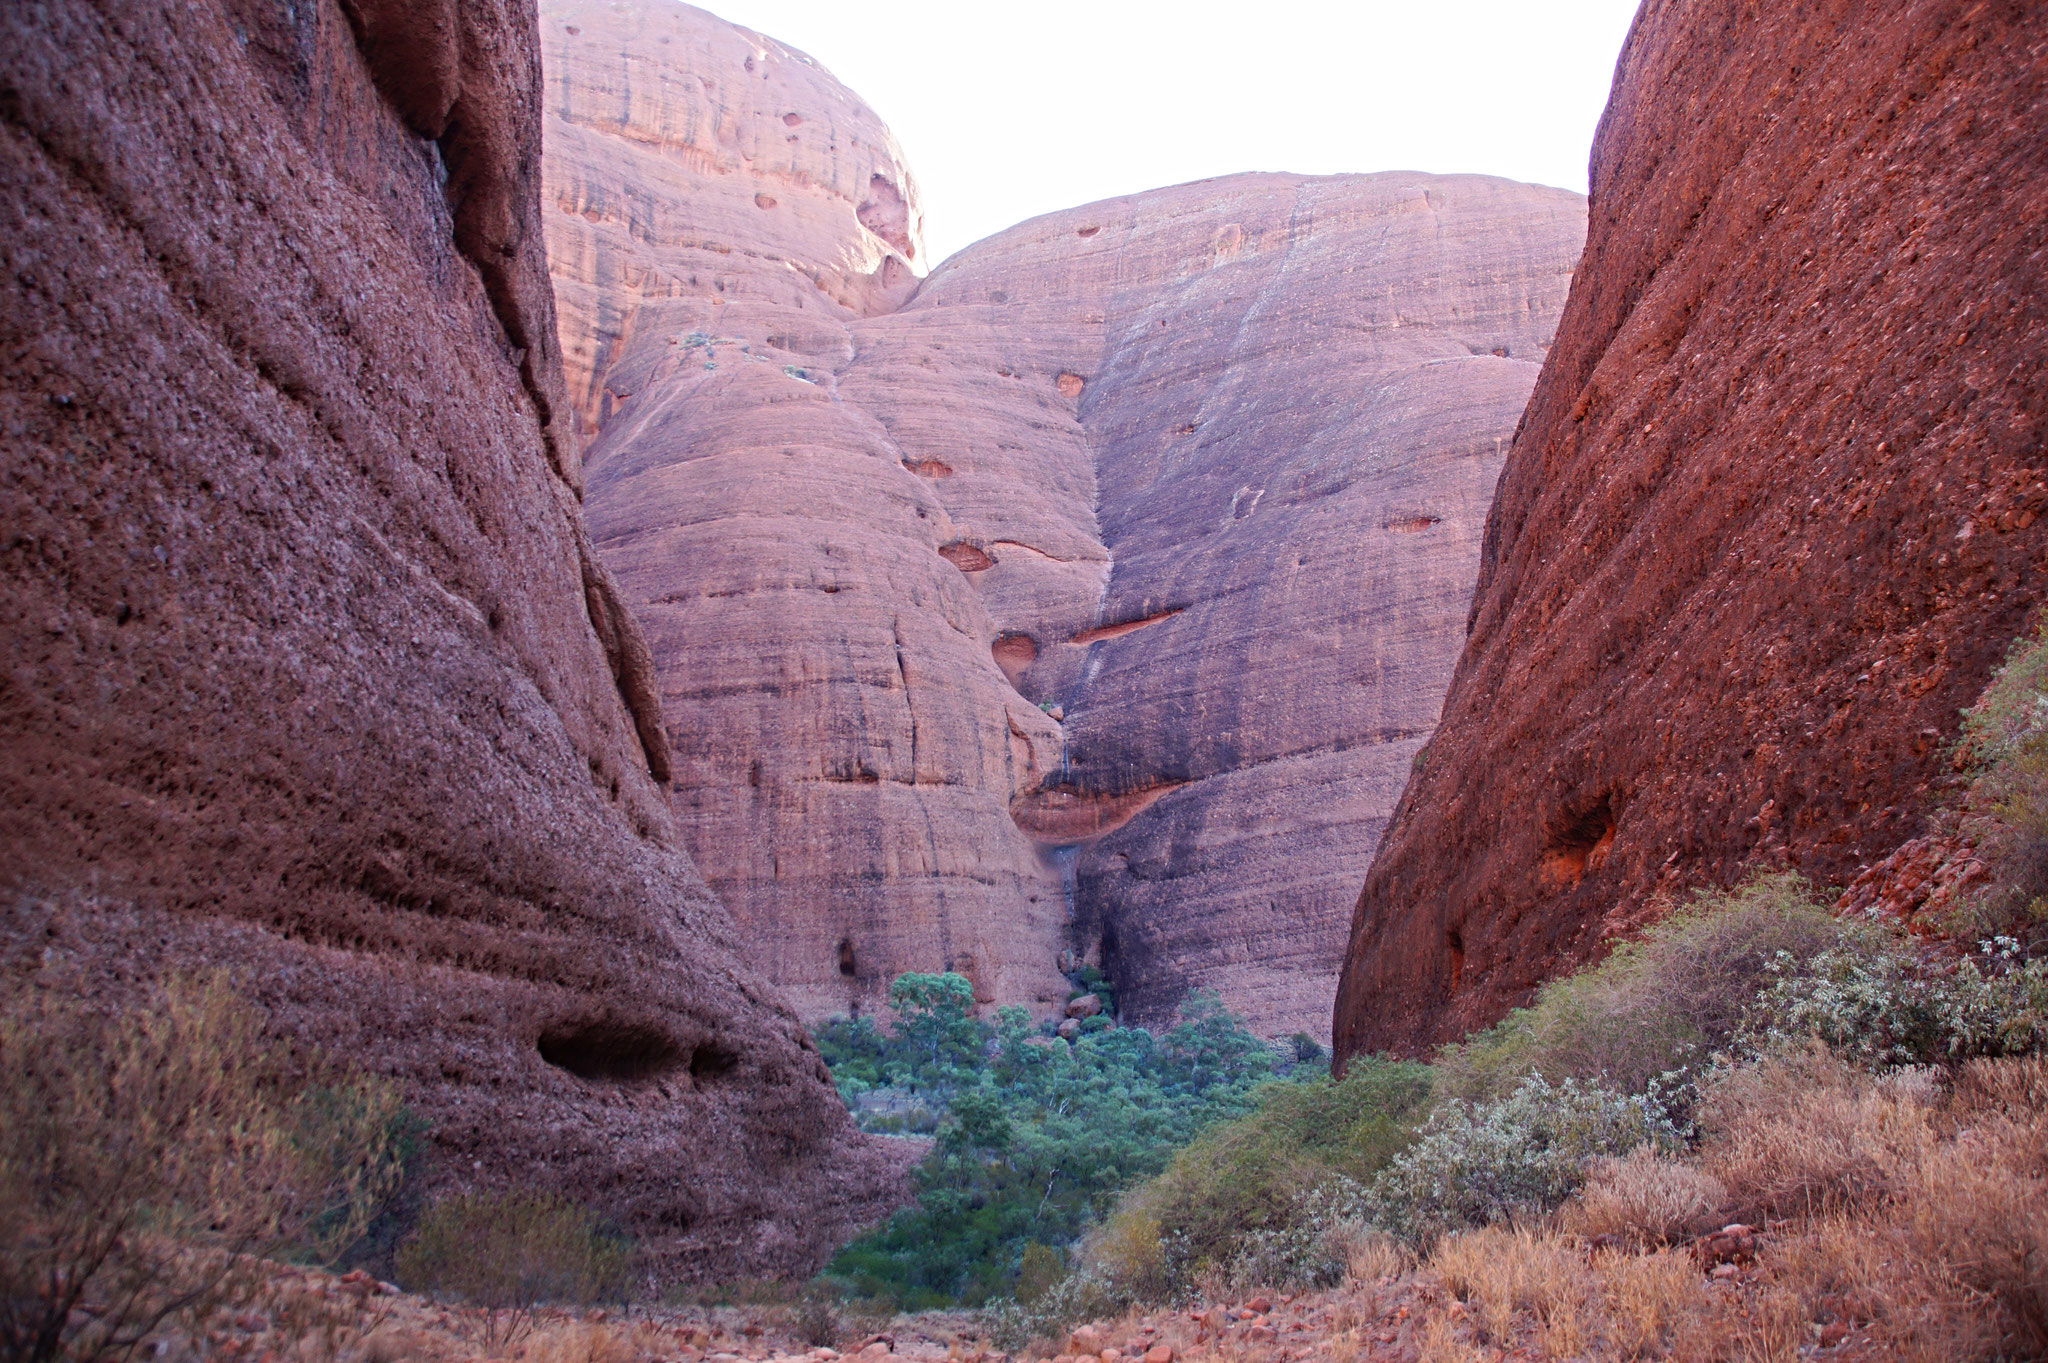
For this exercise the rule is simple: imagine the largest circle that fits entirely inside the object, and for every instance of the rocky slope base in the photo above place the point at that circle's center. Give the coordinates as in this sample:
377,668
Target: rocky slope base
313,673
1774,512
1089,598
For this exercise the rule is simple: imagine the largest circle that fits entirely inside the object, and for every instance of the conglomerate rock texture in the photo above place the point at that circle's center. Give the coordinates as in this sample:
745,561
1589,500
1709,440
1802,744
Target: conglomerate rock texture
1092,595
311,670
1775,511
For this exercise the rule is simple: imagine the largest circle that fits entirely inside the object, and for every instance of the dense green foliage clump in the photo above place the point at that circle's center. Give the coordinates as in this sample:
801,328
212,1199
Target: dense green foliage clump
936,1049
1037,1137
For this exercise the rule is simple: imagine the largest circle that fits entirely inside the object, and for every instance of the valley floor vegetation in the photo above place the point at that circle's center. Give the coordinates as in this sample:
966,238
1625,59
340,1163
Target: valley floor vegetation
1035,1135
1762,1130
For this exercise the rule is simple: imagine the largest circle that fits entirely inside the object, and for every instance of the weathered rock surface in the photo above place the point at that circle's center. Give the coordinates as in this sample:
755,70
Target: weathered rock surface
1774,512
1091,595
311,669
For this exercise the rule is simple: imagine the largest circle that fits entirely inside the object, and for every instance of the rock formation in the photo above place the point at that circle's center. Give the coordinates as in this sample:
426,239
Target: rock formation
1092,595
1774,512
312,673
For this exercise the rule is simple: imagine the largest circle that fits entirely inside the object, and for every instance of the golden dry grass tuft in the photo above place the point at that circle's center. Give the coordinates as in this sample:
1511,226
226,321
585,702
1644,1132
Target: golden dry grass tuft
1808,1135
1646,1198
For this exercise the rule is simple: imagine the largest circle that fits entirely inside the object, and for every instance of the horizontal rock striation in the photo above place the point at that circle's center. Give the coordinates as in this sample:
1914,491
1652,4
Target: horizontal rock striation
1092,595
312,671
1775,512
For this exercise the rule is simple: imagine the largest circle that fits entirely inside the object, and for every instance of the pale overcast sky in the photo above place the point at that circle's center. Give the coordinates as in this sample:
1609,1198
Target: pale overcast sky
1007,111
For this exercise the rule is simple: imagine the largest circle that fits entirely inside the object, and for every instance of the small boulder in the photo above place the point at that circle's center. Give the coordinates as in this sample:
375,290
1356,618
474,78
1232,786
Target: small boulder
1159,1353
1069,1029
1087,1006
1086,1340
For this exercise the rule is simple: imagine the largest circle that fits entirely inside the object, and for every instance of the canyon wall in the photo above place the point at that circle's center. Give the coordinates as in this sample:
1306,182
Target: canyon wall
1774,513
312,672
1087,599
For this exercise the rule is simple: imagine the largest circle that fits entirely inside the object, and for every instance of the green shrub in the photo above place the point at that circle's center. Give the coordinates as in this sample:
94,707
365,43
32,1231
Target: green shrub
2005,746
1079,1296
1087,979
1038,1141
509,1252
1039,1271
1887,1007
1249,1177
141,1153
1663,1005
1306,1247
934,1049
1475,1164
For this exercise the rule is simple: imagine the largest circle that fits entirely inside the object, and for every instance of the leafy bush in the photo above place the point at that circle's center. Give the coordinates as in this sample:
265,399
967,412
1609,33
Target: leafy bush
1659,1008
1880,1005
1479,1164
509,1252
1039,1271
1309,1245
1242,1188
2005,745
935,1049
1039,1138
1087,979
142,1152
1082,1295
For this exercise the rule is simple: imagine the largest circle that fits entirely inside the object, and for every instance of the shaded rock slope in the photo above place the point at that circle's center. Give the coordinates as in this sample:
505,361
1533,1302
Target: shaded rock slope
312,672
1775,511
1088,598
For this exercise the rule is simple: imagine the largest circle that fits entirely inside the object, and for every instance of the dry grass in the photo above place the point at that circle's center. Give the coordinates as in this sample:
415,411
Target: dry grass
1373,1256
1505,1272
1645,1299
1808,1136
1910,1222
1647,1198
582,1342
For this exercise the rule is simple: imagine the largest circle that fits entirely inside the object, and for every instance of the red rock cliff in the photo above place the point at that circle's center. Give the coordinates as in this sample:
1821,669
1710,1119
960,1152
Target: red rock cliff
311,671
1201,472
1775,510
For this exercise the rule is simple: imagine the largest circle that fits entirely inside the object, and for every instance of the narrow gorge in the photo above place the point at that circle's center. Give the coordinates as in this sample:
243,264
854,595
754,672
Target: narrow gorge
1088,599
528,593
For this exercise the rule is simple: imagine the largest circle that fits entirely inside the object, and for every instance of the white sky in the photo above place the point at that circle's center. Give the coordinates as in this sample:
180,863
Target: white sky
1006,111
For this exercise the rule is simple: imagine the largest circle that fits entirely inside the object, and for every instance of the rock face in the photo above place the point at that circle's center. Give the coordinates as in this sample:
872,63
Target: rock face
1090,596
312,672
1774,512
